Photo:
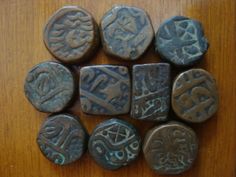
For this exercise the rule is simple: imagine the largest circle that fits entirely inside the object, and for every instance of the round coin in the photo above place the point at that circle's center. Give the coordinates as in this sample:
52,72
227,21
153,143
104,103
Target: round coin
71,34
49,86
170,148
181,41
114,143
126,32
194,95
62,139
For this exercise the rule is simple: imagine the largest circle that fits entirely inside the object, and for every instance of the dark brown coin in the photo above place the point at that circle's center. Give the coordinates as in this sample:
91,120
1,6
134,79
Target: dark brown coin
71,34
105,89
49,86
114,143
181,41
126,32
62,139
195,95
170,148
151,91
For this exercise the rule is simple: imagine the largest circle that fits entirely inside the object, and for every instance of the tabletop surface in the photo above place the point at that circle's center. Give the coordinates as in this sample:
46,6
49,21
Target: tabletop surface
21,44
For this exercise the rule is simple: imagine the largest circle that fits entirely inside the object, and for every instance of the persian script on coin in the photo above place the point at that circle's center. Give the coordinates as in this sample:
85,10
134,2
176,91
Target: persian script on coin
114,143
126,32
71,34
49,86
195,95
62,139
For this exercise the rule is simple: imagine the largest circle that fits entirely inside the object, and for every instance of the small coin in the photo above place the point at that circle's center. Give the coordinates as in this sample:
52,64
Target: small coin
114,143
71,34
62,139
195,95
170,148
126,32
181,41
49,86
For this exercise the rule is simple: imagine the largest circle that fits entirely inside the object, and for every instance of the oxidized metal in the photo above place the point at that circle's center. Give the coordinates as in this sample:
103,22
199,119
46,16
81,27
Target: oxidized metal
170,148
62,139
126,32
49,86
105,89
151,91
195,95
114,143
71,34
180,40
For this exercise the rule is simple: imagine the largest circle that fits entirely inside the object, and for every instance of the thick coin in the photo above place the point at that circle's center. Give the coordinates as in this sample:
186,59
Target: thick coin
170,148
181,41
105,89
114,143
49,86
195,95
71,34
126,32
151,91
62,139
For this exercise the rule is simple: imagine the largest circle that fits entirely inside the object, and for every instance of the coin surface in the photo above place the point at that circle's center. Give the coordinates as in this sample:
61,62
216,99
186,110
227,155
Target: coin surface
49,86
151,91
71,34
62,139
105,89
114,143
194,95
126,32
181,41
170,148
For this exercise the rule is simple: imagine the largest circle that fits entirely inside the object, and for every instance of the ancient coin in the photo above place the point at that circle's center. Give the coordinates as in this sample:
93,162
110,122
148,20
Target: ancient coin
181,41
71,34
105,89
195,95
151,91
114,143
126,32
170,148
49,86
62,139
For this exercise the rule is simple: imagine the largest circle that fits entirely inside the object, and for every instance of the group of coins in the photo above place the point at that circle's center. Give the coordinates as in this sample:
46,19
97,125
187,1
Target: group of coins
72,36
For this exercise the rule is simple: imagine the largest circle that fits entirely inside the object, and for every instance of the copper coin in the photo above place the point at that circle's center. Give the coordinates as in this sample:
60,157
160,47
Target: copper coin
62,139
71,34
126,32
195,95
170,148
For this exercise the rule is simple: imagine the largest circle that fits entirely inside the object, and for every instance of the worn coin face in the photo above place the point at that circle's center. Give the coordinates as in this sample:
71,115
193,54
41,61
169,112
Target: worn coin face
71,34
180,40
105,89
62,139
194,95
49,86
151,91
114,143
170,148
126,32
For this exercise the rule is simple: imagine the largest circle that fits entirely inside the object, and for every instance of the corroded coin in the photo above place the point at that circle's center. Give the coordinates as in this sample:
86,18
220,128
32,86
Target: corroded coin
170,148
151,91
49,86
71,34
126,32
114,143
105,89
62,139
181,41
194,95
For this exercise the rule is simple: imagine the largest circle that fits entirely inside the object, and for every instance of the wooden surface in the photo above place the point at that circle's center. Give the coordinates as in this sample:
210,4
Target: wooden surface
21,47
